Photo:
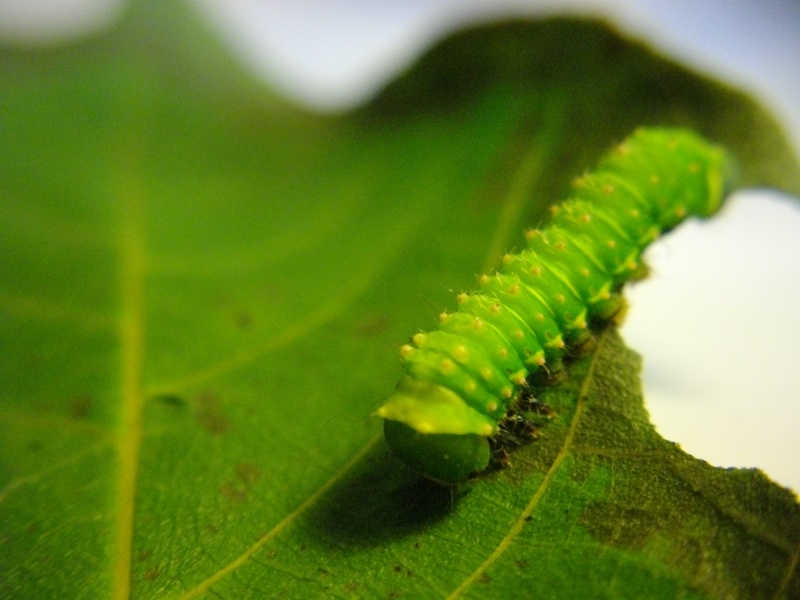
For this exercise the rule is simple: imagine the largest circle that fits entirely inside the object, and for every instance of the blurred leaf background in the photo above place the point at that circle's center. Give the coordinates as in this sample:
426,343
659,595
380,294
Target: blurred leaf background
203,289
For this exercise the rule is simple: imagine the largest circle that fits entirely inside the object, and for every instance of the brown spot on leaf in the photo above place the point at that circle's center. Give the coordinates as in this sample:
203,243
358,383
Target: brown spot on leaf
143,555
209,414
233,492
244,320
372,325
618,525
152,574
248,473
351,586
79,406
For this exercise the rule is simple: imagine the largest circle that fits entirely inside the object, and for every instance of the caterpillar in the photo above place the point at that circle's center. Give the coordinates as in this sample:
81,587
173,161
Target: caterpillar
464,381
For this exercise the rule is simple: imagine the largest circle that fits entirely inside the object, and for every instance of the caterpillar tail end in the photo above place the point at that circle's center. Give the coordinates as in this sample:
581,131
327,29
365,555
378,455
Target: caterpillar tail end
444,457
434,431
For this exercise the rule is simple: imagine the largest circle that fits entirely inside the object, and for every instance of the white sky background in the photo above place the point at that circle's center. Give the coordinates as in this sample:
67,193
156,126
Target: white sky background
718,322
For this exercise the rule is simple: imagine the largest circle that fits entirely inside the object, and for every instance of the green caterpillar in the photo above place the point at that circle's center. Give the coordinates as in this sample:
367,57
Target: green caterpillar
464,380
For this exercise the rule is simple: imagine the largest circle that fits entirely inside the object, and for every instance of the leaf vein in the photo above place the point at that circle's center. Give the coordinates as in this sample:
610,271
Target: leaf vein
566,449
329,309
787,577
30,478
286,522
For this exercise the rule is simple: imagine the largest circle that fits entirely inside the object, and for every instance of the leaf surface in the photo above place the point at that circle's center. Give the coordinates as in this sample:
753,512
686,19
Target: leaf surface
202,292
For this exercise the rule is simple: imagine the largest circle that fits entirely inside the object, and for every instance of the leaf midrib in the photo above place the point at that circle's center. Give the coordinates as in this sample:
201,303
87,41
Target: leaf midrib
134,268
132,272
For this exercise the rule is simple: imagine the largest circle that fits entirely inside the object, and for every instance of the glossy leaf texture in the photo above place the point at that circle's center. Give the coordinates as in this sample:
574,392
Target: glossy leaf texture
202,292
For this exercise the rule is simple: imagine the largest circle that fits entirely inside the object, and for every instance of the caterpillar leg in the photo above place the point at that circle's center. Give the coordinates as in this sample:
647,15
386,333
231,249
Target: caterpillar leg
527,402
517,429
551,374
517,432
585,348
642,271
619,317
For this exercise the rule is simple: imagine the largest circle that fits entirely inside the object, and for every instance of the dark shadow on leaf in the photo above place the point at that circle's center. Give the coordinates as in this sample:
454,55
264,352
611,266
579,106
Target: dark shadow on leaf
381,501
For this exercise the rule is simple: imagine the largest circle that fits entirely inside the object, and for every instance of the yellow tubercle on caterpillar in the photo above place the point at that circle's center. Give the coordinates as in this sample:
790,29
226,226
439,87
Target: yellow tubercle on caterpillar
519,377
537,359
447,367
460,353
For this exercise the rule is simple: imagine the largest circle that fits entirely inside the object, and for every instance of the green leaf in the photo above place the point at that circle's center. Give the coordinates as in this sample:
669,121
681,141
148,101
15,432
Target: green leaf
202,292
